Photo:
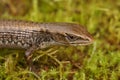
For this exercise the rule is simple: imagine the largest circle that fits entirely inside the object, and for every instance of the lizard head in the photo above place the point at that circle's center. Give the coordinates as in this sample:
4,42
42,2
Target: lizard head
69,33
78,40
78,35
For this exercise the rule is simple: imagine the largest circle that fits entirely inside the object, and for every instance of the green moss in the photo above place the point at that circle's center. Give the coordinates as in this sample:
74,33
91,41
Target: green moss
100,61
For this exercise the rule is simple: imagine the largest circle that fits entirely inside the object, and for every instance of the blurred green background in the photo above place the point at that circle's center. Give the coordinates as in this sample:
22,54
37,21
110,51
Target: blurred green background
99,61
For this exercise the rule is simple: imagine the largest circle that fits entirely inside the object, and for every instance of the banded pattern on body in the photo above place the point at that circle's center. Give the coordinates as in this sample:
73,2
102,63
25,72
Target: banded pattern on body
33,35
24,39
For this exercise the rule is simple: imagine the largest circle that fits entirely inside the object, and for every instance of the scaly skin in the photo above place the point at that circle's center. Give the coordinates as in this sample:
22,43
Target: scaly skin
32,35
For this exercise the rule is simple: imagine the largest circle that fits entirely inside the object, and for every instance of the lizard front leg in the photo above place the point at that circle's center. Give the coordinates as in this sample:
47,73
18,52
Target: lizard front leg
28,55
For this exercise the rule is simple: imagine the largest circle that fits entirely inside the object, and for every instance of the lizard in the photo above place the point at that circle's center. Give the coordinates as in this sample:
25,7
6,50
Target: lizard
32,36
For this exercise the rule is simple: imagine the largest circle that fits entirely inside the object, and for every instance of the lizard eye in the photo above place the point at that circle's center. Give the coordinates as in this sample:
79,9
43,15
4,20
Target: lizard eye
71,37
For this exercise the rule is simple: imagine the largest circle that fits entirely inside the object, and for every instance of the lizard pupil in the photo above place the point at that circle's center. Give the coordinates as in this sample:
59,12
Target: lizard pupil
71,37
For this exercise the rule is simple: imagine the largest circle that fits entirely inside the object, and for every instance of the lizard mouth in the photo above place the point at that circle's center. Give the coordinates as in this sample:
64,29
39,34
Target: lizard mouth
76,43
82,42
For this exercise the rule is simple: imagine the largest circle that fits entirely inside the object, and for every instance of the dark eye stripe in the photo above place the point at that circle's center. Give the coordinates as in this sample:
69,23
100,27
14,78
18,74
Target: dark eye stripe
72,37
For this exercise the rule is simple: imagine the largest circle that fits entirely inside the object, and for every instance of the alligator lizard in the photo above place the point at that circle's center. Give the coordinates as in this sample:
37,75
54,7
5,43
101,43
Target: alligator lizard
32,35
